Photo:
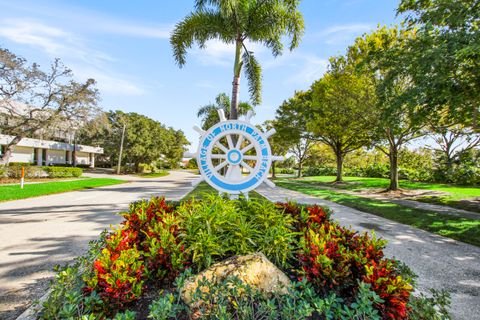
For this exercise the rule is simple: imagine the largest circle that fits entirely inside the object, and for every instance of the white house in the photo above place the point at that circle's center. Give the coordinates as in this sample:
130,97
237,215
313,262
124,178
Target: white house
47,152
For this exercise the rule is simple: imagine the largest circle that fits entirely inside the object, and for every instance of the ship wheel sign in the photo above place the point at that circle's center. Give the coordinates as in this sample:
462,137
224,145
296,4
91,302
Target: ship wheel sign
234,156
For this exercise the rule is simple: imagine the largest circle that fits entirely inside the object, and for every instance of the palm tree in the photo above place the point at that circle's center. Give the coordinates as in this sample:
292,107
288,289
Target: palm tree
235,22
209,113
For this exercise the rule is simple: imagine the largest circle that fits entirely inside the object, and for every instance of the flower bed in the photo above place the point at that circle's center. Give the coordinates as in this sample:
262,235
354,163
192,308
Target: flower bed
139,268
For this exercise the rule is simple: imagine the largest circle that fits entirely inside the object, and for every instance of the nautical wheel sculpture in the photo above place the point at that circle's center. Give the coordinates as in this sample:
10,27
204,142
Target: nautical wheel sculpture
234,156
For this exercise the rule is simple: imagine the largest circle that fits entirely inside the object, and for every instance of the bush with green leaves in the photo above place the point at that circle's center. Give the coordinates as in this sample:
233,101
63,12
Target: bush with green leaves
63,172
320,171
67,299
233,299
216,228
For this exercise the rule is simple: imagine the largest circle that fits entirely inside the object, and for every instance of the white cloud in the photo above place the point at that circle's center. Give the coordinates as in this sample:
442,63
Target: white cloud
220,53
74,51
127,29
342,34
91,21
54,41
311,68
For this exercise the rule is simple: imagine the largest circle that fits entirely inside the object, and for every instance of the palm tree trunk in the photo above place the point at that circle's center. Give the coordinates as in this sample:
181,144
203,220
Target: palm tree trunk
237,68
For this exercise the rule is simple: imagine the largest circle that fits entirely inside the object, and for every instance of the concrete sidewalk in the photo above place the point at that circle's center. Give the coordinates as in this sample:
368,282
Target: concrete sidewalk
38,233
439,262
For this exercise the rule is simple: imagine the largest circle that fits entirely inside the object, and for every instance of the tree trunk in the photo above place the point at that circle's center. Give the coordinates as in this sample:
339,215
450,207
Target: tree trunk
339,157
393,157
300,167
9,150
237,68
273,170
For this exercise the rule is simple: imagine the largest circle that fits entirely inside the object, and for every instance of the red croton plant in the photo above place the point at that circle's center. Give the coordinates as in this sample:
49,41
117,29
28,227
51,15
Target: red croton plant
146,246
336,258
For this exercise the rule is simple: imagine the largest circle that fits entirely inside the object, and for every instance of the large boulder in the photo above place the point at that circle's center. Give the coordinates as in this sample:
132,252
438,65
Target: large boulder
253,269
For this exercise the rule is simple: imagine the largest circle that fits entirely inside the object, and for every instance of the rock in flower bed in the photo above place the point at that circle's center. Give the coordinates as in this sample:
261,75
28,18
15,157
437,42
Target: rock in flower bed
140,269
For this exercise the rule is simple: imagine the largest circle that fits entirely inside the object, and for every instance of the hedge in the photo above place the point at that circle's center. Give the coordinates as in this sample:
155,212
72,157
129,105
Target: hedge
63,172
13,170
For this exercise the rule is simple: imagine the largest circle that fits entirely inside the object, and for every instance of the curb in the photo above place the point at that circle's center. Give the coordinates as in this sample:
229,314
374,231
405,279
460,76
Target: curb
32,311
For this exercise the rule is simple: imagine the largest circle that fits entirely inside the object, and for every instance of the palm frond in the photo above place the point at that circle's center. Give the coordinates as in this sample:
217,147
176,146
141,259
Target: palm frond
253,71
198,27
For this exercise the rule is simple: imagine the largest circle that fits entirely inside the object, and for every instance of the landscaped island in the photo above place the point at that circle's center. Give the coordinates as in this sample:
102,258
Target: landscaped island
140,269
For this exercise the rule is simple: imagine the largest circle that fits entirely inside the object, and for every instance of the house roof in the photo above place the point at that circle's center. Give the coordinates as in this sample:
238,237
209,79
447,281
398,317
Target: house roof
49,144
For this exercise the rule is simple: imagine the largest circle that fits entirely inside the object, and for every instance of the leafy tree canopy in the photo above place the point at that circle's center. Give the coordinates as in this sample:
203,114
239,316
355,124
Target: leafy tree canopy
443,58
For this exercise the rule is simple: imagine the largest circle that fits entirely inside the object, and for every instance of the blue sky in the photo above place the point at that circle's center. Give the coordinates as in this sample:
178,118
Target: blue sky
124,45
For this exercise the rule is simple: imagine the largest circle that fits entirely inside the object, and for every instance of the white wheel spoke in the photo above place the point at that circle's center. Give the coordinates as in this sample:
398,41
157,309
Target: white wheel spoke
222,147
230,142
220,166
250,146
219,156
239,142
246,166
250,158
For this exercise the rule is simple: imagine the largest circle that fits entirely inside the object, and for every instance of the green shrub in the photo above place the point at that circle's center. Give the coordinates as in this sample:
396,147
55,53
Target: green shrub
14,170
377,171
145,168
217,228
431,308
233,299
82,165
19,164
320,171
285,170
192,164
67,299
63,172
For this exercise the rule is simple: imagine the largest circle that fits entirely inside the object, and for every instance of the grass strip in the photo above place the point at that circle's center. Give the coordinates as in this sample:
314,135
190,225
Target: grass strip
204,188
13,192
357,183
162,173
458,228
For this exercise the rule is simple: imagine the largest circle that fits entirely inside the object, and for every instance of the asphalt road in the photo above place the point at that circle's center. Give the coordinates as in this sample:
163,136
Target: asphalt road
38,233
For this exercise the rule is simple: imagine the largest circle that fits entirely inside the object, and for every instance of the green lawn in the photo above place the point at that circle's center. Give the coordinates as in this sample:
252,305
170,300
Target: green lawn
204,188
13,192
454,198
162,173
462,229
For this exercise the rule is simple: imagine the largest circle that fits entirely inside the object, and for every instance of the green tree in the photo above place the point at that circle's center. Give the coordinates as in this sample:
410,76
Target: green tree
443,59
175,147
398,120
291,126
146,140
33,101
240,22
341,111
209,112
278,145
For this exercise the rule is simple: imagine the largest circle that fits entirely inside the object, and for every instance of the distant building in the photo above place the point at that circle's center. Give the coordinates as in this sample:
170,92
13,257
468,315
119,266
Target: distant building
48,152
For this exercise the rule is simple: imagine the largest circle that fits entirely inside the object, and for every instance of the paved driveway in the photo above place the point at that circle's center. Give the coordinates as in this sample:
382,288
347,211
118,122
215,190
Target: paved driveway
439,262
38,233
